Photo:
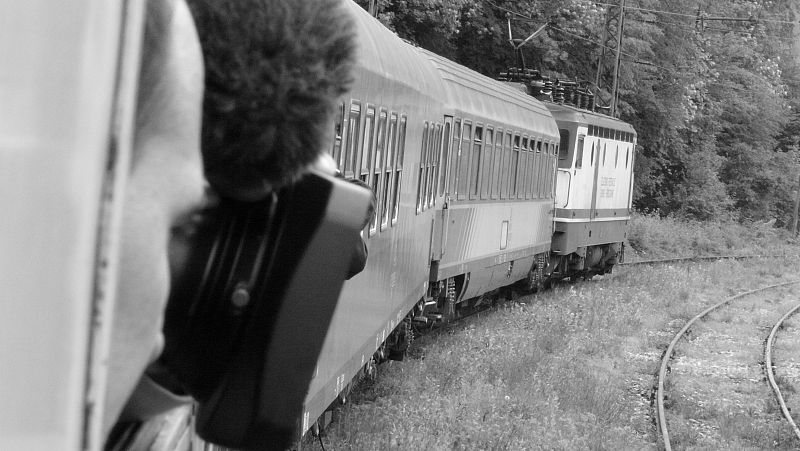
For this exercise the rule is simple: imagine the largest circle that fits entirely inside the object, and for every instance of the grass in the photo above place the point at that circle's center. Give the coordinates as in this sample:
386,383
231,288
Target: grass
652,237
570,368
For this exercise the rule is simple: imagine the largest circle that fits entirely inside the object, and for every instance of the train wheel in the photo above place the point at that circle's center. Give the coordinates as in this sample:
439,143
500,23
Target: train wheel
535,281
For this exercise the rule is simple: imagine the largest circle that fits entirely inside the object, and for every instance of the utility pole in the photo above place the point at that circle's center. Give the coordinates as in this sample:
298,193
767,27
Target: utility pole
796,208
607,80
796,50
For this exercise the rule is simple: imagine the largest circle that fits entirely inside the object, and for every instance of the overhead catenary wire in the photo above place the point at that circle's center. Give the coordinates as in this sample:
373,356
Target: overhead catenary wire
695,16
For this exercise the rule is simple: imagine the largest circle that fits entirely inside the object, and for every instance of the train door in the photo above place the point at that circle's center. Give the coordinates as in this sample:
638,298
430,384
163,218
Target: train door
599,160
442,214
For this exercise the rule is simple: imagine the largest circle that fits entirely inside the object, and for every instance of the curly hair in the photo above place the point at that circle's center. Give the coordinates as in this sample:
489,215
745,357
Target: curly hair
274,71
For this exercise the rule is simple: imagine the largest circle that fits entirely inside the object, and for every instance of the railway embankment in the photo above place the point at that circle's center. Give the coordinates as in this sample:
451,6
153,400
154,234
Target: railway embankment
569,368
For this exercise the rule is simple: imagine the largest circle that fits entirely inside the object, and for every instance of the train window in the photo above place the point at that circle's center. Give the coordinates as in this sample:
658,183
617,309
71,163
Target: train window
530,172
538,169
434,157
454,154
504,168
522,173
336,152
368,146
497,163
564,144
444,159
429,169
565,154
475,164
537,190
579,153
351,147
421,170
548,186
591,130
514,173
398,167
377,172
548,170
391,146
463,165
486,163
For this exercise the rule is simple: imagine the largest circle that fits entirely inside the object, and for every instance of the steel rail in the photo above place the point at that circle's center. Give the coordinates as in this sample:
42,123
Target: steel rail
662,374
699,258
771,374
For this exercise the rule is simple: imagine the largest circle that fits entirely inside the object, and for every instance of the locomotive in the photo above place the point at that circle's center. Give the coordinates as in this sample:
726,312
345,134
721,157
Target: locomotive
480,187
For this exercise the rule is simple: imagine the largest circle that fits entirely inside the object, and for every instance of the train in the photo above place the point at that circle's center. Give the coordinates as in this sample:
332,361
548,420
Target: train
481,186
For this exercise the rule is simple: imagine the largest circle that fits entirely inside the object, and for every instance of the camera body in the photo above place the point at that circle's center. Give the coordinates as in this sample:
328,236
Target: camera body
247,317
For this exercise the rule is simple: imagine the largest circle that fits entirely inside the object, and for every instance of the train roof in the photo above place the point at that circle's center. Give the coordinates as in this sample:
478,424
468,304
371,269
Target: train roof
476,95
386,62
567,113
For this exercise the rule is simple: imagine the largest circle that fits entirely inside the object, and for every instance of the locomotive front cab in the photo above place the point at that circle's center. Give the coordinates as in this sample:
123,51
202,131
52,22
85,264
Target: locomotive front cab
593,191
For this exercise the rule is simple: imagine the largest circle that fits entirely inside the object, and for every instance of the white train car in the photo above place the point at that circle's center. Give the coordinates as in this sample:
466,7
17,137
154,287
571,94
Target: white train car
593,191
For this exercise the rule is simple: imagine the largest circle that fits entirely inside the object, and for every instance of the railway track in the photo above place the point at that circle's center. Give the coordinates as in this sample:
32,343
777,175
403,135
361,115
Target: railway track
769,367
665,368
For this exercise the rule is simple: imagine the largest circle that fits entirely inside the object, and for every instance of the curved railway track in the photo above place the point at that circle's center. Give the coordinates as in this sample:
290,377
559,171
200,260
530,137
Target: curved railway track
664,367
771,373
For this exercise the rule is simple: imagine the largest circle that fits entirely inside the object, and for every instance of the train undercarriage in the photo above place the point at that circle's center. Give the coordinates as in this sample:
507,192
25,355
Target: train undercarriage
585,262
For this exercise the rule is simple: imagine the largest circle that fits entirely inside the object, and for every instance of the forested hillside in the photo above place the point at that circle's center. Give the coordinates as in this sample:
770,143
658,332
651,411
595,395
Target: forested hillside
712,87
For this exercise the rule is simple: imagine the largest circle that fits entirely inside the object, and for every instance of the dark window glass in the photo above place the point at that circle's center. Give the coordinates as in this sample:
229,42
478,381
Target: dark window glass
444,159
522,172
454,158
368,147
564,153
475,164
351,152
486,162
398,172
338,131
463,161
391,147
505,170
421,169
579,153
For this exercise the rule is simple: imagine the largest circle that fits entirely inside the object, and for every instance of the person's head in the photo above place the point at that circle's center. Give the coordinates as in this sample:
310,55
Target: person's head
164,184
273,70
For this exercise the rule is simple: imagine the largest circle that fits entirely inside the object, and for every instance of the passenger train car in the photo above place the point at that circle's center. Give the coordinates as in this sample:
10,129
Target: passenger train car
479,187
